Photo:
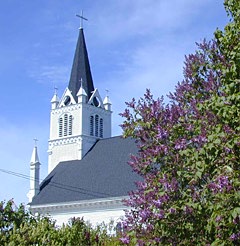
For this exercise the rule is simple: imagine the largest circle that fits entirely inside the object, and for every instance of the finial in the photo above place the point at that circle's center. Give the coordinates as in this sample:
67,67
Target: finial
107,92
55,90
81,82
81,19
106,102
35,142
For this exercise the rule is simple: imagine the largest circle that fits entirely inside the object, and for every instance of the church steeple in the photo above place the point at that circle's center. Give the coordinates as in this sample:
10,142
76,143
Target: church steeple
80,117
81,69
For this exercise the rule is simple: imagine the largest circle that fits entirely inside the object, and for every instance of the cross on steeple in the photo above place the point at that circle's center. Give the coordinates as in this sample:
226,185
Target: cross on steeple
35,142
81,19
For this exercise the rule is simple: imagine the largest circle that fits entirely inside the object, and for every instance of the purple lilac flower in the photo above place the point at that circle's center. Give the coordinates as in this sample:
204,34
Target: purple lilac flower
235,236
140,243
188,210
221,184
180,144
157,203
161,214
172,210
144,214
162,133
125,240
219,218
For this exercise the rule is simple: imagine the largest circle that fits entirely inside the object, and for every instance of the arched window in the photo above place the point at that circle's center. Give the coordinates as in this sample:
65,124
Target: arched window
70,118
60,127
101,128
96,125
91,125
65,125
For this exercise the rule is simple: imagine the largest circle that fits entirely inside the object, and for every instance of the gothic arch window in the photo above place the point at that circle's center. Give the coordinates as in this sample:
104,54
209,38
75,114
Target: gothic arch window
65,125
60,127
70,119
91,125
96,126
101,128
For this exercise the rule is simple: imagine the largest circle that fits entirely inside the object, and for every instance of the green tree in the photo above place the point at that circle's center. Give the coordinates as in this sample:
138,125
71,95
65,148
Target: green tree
190,151
19,228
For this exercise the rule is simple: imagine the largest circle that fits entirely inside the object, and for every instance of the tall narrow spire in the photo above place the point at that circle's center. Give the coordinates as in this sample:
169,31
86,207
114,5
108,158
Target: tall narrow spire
34,173
81,69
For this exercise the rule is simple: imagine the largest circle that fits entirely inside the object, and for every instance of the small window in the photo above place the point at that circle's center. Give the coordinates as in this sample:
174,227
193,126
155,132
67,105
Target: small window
60,127
65,124
101,128
70,125
91,126
96,125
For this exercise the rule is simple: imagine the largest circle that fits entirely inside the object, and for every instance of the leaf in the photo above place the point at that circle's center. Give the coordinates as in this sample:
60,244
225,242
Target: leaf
235,212
199,174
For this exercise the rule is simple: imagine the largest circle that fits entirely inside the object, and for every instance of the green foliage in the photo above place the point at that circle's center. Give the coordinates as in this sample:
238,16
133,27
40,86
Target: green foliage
19,228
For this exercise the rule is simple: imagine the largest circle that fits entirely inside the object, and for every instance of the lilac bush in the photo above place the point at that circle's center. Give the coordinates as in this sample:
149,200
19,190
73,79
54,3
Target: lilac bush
190,151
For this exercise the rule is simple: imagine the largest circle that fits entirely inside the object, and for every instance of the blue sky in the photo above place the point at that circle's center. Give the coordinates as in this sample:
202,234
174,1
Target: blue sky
132,45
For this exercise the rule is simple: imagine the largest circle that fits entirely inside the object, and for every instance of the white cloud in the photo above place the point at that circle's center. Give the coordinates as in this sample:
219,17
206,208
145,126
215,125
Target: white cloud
55,75
120,20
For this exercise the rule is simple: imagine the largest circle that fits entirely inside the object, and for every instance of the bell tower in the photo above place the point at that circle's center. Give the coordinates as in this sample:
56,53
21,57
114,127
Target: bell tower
80,117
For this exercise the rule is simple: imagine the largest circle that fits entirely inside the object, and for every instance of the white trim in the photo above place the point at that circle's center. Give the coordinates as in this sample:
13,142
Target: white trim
67,92
70,139
83,206
97,95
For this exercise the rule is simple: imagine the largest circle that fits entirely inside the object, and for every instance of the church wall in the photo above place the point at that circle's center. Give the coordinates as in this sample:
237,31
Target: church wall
64,148
94,211
59,152
76,145
89,110
75,111
94,217
71,148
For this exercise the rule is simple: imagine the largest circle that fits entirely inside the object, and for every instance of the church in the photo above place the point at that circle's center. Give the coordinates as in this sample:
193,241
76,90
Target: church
88,171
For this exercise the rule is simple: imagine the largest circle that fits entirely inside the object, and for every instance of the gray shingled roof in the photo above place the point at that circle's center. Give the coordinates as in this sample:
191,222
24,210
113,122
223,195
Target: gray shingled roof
81,69
102,173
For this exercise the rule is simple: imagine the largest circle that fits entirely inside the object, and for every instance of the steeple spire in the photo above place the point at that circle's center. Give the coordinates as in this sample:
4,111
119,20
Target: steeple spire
34,158
81,69
34,173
